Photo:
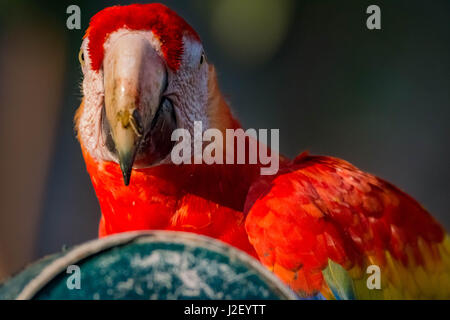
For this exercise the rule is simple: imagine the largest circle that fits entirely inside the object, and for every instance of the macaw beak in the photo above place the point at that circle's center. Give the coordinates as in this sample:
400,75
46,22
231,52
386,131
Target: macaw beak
134,79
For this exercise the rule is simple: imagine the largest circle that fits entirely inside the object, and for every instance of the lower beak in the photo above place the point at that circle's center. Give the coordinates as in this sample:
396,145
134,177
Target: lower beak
134,79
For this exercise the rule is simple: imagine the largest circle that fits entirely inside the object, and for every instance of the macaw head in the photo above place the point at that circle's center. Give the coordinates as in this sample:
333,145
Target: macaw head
145,74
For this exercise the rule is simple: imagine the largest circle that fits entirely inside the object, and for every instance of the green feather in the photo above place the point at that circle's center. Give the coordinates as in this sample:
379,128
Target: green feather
339,281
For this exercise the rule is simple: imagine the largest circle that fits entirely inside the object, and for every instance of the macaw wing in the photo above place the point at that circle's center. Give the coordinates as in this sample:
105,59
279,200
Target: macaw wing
321,223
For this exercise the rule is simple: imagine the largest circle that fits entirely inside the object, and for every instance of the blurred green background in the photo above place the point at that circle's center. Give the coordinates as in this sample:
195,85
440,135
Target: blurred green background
379,99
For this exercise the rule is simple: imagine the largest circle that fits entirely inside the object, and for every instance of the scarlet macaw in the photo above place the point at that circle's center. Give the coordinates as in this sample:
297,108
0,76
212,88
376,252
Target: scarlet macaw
317,224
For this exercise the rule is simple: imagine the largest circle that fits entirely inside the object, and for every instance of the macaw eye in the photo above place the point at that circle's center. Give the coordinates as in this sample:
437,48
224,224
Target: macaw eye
81,57
202,58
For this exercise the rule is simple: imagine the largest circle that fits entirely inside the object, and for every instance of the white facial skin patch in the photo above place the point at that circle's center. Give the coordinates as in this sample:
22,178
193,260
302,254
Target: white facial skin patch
187,88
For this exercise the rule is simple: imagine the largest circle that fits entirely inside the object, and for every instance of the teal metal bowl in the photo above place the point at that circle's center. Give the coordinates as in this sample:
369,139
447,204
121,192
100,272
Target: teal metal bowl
147,265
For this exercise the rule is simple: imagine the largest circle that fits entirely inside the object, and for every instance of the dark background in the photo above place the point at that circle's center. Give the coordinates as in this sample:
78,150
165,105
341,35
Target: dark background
379,99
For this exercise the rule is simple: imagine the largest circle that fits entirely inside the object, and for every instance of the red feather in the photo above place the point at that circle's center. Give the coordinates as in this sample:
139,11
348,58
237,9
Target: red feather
202,199
162,21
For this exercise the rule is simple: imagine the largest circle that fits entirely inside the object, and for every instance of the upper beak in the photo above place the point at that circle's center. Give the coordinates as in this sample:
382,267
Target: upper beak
134,78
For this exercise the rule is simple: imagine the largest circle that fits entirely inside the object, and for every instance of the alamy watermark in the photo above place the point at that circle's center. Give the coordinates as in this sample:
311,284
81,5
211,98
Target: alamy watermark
374,278
237,147
374,20
74,19
74,280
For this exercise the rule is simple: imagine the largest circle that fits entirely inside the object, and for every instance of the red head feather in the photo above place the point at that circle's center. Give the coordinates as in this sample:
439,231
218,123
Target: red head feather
162,21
